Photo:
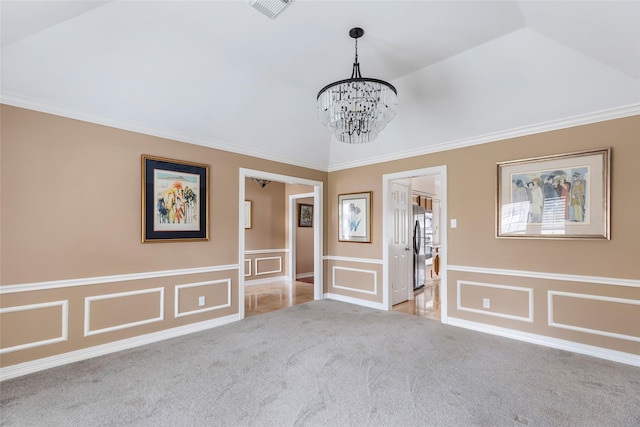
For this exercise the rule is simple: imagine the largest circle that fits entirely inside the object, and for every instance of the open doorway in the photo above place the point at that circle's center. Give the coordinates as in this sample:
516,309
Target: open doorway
258,264
407,196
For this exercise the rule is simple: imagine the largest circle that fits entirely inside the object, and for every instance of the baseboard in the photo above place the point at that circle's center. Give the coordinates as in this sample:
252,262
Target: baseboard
25,368
589,350
304,275
267,280
355,301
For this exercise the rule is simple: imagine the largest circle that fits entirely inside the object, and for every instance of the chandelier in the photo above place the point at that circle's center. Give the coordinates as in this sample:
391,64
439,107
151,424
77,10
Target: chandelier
356,109
261,182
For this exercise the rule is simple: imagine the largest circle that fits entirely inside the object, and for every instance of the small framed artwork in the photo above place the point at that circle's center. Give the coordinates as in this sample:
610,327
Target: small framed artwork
354,212
305,215
175,206
247,214
563,196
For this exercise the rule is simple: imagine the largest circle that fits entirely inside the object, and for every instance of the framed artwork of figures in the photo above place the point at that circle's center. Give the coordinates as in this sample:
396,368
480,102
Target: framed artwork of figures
555,197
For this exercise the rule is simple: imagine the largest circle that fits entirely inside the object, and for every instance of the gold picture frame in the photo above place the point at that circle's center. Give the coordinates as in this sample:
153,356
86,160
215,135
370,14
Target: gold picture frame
565,196
354,217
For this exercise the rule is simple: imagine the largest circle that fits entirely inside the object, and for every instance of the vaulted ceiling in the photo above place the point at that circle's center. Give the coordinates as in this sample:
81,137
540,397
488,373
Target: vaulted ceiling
220,74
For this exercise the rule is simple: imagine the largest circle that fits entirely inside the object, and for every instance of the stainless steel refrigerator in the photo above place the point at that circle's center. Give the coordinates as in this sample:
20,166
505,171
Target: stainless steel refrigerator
418,246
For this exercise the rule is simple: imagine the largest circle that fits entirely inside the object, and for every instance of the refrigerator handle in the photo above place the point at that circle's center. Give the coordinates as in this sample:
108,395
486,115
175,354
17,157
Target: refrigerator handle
416,238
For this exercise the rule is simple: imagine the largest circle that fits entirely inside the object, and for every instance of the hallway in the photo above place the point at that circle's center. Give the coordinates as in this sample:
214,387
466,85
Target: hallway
259,299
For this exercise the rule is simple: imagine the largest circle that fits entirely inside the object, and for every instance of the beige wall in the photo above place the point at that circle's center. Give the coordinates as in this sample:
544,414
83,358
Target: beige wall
70,224
71,239
471,196
265,243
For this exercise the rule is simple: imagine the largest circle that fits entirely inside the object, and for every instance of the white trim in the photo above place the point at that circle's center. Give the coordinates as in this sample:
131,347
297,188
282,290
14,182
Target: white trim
602,353
551,294
265,251
355,301
247,261
56,284
58,110
352,259
529,291
386,183
89,300
266,281
304,275
569,122
548,276
64,323
260,273
25,368
177,312
375,280
318,193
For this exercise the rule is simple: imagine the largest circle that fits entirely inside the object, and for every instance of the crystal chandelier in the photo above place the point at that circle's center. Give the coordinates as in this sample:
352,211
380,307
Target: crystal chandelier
356,109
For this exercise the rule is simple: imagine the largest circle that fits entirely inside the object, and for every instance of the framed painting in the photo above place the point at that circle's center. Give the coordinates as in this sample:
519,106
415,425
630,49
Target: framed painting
305,215
247,214
354,217
175,206
563,196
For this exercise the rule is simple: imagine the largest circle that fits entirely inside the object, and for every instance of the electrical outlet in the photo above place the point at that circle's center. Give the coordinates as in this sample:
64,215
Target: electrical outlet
200,301
486,303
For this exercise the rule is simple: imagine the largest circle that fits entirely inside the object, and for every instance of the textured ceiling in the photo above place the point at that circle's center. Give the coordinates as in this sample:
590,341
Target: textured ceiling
220,74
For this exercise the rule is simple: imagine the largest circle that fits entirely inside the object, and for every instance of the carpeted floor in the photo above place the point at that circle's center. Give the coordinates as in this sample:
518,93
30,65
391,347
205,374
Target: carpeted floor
326,363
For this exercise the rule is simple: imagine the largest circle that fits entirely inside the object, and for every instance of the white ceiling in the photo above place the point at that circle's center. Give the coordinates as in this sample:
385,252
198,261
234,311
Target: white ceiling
220,74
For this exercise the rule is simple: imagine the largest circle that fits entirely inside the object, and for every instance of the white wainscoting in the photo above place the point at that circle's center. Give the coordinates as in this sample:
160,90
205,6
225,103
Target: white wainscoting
374,280
13,371
603,353
57,284
25,368
257,265
528,291
89,300
64,323
555,324
177,312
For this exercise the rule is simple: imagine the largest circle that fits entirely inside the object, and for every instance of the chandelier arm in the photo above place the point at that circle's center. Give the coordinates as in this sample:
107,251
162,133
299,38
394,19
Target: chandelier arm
359,79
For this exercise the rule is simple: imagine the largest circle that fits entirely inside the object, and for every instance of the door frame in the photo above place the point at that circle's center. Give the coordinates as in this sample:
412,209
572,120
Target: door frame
386,195
317,229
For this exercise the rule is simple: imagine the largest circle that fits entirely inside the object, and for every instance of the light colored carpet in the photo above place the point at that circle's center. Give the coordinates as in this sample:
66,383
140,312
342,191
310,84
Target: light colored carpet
327,363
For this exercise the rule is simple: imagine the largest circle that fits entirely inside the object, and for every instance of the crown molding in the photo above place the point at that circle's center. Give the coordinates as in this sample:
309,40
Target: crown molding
573,121
58,110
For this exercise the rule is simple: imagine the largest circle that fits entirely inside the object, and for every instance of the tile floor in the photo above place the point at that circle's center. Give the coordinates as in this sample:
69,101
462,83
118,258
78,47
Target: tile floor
263,298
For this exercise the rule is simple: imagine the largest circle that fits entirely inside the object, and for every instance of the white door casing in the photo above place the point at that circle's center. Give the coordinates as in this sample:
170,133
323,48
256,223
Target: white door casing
400,253
317,229
387,212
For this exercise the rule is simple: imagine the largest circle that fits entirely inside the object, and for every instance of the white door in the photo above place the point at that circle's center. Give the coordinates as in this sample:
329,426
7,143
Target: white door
400,253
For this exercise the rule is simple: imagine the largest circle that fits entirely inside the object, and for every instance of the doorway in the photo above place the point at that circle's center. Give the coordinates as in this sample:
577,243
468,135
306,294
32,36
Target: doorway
397,275
317,229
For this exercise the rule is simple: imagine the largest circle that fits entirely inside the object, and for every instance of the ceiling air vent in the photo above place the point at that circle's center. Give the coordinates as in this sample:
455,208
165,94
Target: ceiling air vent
271,8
